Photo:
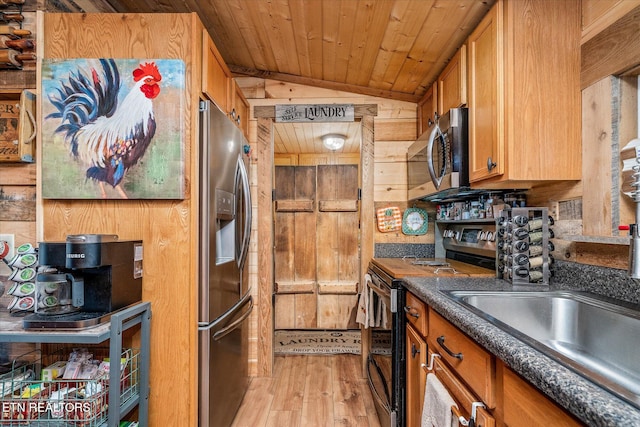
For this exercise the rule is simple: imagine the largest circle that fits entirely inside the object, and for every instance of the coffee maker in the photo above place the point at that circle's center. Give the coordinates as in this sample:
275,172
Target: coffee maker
99,273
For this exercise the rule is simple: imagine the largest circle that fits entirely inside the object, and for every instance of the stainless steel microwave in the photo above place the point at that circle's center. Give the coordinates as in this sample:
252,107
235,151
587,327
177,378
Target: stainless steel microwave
438,162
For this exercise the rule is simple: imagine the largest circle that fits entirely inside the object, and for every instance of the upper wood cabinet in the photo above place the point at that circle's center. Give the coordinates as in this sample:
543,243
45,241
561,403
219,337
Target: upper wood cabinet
216,77
452,82
239,108
427,109
524,94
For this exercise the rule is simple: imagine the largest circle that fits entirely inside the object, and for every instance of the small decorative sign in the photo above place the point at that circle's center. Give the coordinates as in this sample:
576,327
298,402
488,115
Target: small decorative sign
314,113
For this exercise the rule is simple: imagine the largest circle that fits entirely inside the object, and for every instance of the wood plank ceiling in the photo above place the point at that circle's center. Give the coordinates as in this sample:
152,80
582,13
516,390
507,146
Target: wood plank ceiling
387,48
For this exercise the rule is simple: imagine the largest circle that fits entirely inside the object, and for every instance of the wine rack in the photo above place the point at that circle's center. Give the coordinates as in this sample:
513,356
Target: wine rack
523,245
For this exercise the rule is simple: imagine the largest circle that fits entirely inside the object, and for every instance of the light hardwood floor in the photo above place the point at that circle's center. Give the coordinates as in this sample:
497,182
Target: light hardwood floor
308,391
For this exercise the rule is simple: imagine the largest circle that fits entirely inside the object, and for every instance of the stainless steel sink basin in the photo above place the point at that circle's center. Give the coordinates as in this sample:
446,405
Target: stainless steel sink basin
594,337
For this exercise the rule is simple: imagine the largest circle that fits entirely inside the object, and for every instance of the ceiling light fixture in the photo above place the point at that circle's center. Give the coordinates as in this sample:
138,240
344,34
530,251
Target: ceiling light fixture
333,141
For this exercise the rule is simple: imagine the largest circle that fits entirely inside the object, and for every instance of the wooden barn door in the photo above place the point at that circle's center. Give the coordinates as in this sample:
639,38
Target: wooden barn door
295,247
317,253
338,257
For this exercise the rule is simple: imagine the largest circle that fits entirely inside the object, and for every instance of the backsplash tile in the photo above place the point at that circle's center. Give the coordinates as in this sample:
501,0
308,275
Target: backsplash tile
399,250
609,282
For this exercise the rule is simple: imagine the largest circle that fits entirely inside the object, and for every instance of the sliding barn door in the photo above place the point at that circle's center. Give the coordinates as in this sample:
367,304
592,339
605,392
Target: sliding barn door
316,246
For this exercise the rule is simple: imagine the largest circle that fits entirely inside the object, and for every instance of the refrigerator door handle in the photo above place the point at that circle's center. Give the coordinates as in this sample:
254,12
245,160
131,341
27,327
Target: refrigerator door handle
246,194
228,329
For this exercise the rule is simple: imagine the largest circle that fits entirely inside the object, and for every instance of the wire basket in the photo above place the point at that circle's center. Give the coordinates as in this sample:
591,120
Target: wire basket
29,398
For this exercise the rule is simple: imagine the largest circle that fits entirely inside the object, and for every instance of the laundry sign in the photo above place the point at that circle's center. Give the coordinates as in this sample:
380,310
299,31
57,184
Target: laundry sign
314,113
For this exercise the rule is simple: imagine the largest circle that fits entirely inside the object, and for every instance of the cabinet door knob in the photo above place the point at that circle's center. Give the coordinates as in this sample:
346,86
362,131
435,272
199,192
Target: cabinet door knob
414,350
490,164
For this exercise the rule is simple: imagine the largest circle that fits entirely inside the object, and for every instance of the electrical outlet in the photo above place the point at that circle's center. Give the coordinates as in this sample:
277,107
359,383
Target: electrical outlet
10,239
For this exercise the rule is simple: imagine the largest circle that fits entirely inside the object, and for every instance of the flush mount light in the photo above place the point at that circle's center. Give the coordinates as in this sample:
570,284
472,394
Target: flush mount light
333,141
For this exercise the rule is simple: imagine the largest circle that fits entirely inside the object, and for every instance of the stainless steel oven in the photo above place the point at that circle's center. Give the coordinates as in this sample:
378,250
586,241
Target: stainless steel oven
385,360
437,163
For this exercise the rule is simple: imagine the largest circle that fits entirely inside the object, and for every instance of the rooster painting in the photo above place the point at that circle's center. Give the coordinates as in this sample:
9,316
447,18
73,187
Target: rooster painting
107,127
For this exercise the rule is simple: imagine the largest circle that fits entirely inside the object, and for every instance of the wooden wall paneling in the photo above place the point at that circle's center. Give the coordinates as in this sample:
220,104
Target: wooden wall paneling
390,181
168,228
17,203
627,130
265,244
612,51
282,159
597,15
596,142
367,219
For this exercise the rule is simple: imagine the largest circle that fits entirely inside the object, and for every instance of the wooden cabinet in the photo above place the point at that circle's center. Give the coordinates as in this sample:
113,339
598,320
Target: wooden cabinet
216,77
461,378
416,311
524,94
219,87
416,351
427,109
471,375
452,83
239,108
461,394
471,362
524,405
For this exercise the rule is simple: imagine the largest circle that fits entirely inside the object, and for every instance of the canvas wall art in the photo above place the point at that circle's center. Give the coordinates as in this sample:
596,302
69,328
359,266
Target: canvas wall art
113,129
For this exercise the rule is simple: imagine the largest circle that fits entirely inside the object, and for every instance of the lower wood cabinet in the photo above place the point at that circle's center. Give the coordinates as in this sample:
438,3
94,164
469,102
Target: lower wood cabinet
471,375
524,405
416,352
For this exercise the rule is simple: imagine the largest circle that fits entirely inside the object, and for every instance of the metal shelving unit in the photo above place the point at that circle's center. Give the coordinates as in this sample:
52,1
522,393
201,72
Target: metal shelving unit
139,314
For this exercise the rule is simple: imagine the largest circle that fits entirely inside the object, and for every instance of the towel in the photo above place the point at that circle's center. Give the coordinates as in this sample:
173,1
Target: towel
380,314
364,316
436,411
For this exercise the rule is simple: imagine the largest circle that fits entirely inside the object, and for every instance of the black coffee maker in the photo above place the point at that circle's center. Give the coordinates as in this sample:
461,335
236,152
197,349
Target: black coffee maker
104,275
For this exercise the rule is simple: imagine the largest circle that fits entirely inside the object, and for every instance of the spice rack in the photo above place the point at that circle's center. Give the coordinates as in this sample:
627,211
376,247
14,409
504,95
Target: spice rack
523,245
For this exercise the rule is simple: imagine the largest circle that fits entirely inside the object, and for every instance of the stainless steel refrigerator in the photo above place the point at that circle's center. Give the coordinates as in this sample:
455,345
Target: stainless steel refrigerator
224,299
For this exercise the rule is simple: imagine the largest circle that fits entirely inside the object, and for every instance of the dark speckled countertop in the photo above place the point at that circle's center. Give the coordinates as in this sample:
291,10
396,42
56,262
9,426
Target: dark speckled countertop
590,403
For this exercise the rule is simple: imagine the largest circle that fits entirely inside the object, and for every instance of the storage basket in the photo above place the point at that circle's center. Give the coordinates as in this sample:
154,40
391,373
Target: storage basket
27,400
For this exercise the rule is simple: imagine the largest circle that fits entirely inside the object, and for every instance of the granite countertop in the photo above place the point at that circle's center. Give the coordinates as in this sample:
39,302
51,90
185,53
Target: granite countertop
588,402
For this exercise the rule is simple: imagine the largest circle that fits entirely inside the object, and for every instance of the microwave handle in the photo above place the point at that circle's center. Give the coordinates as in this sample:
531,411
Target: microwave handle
434,134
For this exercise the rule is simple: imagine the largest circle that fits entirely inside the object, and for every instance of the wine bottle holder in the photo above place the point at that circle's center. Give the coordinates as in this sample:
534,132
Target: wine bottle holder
523,245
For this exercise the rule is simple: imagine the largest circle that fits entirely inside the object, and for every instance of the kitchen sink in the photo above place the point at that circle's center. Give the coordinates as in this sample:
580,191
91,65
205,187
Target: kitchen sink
595,337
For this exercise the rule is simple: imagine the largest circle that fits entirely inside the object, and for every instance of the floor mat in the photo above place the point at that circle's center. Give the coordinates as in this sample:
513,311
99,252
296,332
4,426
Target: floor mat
327,342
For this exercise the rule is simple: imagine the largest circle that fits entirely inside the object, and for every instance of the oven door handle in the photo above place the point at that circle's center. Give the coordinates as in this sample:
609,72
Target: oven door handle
381,291
387,404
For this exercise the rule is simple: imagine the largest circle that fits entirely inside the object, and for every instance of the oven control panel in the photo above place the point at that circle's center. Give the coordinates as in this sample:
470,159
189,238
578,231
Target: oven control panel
474,238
